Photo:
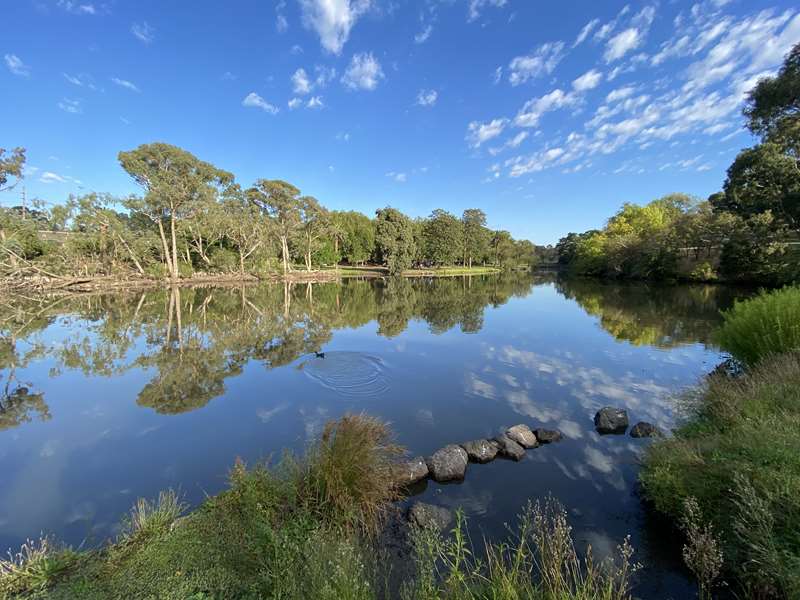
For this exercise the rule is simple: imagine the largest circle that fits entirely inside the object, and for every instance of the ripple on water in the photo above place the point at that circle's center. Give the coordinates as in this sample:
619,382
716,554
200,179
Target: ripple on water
352,374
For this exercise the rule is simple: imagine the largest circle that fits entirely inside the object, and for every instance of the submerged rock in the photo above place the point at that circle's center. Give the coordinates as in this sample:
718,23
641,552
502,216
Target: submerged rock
611,420
428,516
481,451
523,435
548,436
643,429
413,471
448,463
509,448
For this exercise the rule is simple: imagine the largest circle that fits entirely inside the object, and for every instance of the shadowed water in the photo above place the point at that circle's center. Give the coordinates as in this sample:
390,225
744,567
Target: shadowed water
105,398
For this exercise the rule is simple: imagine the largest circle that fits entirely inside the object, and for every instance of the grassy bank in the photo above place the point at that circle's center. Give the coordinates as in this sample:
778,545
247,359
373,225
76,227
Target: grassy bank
736,459
307,528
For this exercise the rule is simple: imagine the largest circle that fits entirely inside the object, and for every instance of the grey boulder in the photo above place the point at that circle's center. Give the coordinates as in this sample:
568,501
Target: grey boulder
643,430
611,420
448,463
523,435
548,436
509,448
429,516
481,451
413,471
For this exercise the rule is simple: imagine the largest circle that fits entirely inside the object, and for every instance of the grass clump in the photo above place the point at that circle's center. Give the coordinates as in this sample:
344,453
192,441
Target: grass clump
738,457
761,326
36,566
539,563
148,518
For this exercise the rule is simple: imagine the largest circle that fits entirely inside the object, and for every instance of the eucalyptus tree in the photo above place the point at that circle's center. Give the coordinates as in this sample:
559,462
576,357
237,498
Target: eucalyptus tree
12,164
394,239
176,185
244,226
315,224
442,235
281,202
476,235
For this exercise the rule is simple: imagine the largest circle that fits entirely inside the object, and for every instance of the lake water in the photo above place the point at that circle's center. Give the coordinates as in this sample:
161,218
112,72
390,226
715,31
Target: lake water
110,397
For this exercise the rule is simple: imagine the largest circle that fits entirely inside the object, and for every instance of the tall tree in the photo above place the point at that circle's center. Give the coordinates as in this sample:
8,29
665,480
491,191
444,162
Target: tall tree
394,239
476,235
443,237
245,227
176,185
281,202
314,225
11,165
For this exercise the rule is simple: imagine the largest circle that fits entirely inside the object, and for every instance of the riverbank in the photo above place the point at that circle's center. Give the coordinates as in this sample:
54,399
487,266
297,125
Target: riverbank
320,526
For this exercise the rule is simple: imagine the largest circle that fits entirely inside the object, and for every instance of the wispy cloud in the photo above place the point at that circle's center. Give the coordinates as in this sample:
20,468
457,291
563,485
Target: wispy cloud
542,61
315,102
128,85
478,133
398,177
585,31
588,81
363,73
16,66
423,35
281,22
70,106
427,97
77,8
253,100
476,6
143,32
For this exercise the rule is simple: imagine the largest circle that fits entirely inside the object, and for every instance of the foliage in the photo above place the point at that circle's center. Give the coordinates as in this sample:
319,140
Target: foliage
11,165
148,519
443,237
394,240
540,563
761,326
738,455
36,566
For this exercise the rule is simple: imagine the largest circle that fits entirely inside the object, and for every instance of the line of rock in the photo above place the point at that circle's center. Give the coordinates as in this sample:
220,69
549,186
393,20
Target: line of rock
614,421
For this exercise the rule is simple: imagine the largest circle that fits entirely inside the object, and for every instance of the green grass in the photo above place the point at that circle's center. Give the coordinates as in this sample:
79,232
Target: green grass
450,271
304,528
738,456
761,326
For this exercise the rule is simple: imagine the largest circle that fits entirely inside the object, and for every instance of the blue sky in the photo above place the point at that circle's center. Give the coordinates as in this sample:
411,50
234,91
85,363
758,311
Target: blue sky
548,115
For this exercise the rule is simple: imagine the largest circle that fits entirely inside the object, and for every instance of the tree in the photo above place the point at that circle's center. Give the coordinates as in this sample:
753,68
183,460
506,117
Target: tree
476,235
358,242
394,239
502,246
11,165
314,225
282,203
176,185
773,105
442,238
244,226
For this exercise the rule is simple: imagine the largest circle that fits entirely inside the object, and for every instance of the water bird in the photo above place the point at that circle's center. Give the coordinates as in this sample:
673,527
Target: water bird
319,354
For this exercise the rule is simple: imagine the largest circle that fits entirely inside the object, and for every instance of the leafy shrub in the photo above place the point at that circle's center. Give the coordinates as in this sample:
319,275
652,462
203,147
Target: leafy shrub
224,260
738,455
761,326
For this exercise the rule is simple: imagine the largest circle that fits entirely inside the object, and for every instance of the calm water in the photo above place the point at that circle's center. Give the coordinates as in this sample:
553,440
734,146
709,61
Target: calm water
129,394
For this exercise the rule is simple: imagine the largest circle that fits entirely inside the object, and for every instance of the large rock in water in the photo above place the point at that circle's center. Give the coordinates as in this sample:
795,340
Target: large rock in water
413,471
509,448
429,516
643,429
548,436
481,451
611,420
523,435
448,463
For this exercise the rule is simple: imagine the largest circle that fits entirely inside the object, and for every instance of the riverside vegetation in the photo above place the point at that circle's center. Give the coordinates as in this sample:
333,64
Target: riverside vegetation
734,465
748,232
305,528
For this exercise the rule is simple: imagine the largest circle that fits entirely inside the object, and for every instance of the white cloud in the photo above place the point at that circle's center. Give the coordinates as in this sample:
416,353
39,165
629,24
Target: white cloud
622,43
315,102
478,133
587,29
253,100
50,177
587,81
363,73
333,20
514,142
343,136
301,84
423,35
294,103
16,66
620,93
70,106
543,60
476,6
281,23
125,83
427,97
143,32
398,177
77,8
532,110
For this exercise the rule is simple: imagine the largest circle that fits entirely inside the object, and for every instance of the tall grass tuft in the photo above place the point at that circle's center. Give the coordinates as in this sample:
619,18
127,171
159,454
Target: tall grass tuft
701,552
539,563
762,326
152,518
35,567
350,472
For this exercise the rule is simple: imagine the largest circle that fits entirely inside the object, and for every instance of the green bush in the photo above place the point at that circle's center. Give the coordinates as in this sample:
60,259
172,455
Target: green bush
761,326
738,455
224,260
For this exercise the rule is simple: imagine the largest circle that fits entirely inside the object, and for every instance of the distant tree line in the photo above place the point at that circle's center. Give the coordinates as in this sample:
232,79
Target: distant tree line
750,231
194,217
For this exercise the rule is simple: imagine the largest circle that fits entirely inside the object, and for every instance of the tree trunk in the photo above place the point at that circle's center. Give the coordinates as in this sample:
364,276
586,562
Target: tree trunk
167,257
285,254
174,245
241,263
133,256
